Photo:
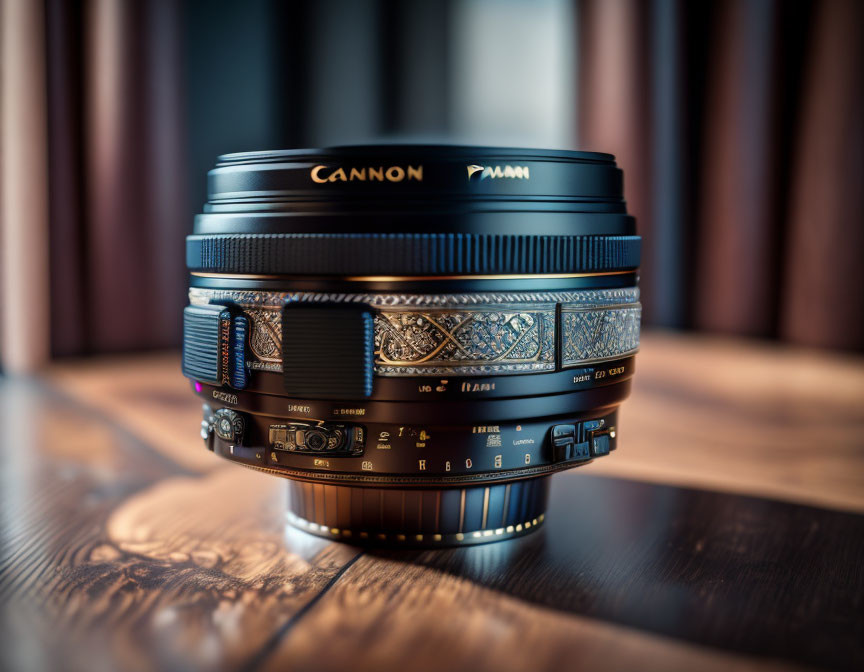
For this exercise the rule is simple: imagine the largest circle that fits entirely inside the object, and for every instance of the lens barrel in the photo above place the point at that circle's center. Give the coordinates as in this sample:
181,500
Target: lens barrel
416,336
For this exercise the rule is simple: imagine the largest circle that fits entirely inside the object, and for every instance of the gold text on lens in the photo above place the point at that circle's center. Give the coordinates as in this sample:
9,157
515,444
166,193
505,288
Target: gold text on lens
321,175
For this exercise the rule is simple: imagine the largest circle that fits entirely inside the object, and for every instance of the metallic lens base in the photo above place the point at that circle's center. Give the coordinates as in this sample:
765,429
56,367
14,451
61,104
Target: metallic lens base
418,518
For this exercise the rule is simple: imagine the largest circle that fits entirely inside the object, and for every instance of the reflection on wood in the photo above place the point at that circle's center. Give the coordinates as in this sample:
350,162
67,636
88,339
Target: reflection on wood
110,548
401,616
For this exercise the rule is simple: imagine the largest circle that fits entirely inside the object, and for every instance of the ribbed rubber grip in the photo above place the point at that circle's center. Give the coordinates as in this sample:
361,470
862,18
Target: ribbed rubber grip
201,342
409,254
327,350
214,345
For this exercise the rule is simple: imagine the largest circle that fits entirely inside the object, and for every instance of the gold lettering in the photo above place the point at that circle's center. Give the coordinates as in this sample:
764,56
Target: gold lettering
337,175
364,173
314,174
395,174
527,458
447,465
224,396
498,461
422,465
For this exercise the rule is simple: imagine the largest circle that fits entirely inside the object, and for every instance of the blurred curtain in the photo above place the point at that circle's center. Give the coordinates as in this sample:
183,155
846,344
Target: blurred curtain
740,127
738,124
143,95
116,174
24,290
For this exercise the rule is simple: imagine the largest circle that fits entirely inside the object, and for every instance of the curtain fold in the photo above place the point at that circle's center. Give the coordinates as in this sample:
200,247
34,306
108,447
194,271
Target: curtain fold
133,166
823,289
117,148
737,238
24,161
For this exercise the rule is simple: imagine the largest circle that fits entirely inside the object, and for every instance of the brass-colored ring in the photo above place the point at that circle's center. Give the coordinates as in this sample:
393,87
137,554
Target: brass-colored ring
416,278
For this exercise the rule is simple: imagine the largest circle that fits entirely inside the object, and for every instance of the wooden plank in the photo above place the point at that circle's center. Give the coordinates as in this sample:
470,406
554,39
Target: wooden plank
745,417
765,580
115,557
146,394
125,545
387,614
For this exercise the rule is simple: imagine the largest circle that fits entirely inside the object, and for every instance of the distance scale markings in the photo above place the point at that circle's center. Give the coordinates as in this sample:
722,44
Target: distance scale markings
402,449
586,377
420,438
431,451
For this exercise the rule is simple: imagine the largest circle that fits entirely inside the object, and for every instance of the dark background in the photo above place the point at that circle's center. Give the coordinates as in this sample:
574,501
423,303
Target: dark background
738,125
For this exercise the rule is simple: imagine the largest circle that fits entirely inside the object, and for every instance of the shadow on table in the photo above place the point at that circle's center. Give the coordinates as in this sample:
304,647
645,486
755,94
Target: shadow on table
740,573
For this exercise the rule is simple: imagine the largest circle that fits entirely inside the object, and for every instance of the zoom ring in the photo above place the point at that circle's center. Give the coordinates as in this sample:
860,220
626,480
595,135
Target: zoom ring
409,254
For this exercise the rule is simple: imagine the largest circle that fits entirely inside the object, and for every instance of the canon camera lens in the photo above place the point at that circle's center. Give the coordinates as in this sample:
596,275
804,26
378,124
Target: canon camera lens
416,336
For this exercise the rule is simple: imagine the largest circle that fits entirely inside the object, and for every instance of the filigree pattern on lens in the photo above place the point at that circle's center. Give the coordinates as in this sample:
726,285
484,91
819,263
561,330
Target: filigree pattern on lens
449,340
592,334
266,337
268,299
453,335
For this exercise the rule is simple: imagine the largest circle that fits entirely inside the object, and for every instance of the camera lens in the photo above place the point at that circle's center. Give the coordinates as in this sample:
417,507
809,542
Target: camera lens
416,337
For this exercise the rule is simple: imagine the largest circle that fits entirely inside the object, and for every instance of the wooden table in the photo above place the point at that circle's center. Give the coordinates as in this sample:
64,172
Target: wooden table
726,532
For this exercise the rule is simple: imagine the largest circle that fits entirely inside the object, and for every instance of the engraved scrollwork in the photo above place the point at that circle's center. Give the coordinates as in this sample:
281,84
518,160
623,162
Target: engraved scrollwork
453,339
464,334
266,337
597,334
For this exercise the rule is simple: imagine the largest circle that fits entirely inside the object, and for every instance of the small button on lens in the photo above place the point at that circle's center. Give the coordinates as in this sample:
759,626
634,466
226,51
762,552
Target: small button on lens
600,443
315,440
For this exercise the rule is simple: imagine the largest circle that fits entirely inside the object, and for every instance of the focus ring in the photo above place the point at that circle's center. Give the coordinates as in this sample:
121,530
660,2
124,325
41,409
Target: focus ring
409,254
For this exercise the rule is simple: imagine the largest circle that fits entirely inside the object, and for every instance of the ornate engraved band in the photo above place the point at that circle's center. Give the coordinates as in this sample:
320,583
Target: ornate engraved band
462,334
591,334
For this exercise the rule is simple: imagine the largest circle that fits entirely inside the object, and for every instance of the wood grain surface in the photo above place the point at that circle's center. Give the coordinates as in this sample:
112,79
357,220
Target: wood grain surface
725,533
